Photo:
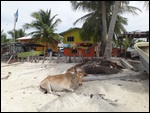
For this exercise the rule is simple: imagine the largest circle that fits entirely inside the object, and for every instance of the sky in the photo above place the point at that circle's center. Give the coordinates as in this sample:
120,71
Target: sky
65,13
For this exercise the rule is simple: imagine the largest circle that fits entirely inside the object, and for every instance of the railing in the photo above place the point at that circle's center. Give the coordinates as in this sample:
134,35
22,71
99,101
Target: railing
31,53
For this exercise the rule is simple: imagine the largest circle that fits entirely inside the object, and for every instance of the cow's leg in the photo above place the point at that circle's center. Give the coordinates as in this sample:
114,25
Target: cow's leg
46,85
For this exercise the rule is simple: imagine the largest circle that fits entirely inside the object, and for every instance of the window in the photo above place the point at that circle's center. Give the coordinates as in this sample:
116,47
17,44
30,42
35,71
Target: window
74,50
19,49
87,51
70,39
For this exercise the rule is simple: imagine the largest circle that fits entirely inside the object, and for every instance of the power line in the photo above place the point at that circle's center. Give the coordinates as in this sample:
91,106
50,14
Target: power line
6,25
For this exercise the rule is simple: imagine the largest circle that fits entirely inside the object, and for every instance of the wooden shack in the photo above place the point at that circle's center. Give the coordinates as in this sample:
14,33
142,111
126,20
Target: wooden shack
17,50
28,39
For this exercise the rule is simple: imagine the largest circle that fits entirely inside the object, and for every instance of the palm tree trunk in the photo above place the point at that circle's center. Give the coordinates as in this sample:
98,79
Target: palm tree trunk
46,48
108,49
104,29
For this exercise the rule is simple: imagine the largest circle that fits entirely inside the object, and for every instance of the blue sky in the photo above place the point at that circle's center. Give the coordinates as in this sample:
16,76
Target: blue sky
65,13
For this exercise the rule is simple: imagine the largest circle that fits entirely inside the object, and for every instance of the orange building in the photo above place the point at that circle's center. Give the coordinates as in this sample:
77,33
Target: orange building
28,40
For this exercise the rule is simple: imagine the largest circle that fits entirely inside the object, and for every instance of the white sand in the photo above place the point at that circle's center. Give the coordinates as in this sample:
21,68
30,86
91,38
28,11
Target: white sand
20,92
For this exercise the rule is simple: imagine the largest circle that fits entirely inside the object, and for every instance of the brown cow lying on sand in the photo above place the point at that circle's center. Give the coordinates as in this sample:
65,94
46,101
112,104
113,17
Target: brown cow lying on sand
68,81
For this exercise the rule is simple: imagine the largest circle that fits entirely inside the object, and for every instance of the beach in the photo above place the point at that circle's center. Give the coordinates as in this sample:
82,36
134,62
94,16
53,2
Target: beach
20,92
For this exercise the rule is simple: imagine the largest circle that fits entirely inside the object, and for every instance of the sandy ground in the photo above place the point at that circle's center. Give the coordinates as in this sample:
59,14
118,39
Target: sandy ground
126,91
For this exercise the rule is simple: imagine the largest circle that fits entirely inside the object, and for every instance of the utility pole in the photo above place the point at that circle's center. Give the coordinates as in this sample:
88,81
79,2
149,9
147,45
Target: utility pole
15,20
14,25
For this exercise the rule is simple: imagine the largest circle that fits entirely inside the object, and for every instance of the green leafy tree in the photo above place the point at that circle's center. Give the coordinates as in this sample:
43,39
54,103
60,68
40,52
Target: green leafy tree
18,33
98,19
44,24
4,38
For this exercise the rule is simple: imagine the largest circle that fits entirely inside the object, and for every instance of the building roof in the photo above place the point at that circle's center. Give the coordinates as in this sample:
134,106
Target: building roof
24,38
21,44
30,37
142,34
69,30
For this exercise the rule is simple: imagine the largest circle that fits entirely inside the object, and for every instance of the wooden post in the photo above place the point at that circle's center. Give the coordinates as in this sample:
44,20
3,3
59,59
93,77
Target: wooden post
10,59
21,59
28,58
14,50
43,58
65,59
50,56
58,57
32,54
38,57
81,55
127,65
74,59
17,58
69,59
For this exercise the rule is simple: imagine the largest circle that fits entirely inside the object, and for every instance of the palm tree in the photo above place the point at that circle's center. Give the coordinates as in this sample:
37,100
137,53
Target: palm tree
108,49
18,33
4,37
104,26
146,5
95,23
44,26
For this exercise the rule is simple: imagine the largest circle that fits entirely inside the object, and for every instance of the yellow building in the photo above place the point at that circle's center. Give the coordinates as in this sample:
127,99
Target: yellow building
74,45
72,36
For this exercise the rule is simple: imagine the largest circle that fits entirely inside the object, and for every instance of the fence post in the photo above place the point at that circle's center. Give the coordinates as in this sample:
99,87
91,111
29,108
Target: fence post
32,54
50,56
74,59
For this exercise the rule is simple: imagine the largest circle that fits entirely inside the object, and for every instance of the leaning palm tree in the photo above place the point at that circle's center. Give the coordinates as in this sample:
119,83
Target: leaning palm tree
96,23
108,49
95,20
44,25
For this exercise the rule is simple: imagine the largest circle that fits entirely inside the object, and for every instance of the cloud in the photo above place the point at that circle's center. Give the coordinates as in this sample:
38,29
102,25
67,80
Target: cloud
138,22
64,11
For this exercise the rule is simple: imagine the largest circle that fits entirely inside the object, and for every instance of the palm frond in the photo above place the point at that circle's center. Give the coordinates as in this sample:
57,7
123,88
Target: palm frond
83,18
129,10
84,5
146,5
